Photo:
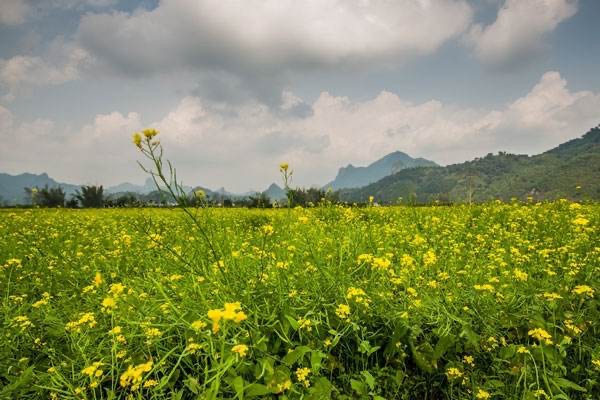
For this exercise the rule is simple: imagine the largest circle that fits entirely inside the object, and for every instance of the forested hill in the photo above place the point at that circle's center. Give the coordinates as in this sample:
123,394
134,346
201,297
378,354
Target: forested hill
571,170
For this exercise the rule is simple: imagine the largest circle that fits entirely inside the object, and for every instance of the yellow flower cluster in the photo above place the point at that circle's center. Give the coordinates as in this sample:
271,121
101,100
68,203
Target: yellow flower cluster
134,375
541,335
230,312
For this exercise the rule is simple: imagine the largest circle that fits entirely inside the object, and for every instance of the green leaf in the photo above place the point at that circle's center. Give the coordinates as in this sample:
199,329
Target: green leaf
292,322
567,384
358,387
293,356
369,379
256,389
442,346
238,385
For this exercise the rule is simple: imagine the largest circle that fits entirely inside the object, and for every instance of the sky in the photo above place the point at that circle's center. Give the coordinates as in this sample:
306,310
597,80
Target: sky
236,87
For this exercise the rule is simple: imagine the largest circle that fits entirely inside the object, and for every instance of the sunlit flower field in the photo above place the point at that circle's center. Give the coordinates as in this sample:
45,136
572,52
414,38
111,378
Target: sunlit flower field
495,301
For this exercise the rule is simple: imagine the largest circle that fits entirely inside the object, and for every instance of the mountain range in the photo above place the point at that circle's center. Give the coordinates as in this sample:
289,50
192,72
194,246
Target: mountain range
356,177
571,170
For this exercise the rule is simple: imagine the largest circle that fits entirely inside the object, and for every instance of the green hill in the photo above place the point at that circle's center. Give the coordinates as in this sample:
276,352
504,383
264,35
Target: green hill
571,170
354,177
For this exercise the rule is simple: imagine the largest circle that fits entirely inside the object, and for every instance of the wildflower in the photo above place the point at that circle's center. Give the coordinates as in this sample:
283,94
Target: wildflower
267,229
522,350
305,324
485,287
520,275
200,194
193,348
98,279
343,311
23,322
240,349
198,325
108,304
482,395
596,363
117,289
574,329
93,370
283,167
584,290
230,312
137,139
302,375
150,383
429,258
552,296
541,335
469,360
381,263
580,221
150,133
134,375
453,373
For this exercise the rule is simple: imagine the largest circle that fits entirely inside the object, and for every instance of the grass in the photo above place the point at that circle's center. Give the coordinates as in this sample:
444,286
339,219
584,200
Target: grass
494,301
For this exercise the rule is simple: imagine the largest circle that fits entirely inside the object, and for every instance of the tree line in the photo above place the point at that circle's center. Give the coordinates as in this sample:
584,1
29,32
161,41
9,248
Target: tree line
95,197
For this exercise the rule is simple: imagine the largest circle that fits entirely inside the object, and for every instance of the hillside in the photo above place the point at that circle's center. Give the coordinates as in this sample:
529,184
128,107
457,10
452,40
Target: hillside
12,187
355,177
571,170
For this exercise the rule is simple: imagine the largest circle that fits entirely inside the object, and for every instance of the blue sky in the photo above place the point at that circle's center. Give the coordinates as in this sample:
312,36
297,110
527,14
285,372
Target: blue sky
238,86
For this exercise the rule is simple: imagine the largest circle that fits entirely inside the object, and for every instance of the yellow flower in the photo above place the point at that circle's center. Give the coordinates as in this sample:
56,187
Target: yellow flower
133,376
580,221
453,373
97,279
109,303
584,290
302,375
343,311
482,395
150,133
241,349
137,139
230,312
283,167
541,335
198,325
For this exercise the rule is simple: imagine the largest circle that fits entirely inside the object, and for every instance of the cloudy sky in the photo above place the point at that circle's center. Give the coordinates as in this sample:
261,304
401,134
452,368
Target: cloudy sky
237,86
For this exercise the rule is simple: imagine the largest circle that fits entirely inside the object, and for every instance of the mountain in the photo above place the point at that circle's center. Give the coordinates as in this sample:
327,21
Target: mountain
571,170
355,177
275,192
12,187
127,187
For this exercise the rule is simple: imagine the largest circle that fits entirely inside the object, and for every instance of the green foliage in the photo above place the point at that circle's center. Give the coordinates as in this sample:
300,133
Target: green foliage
91,196
442,302
571,171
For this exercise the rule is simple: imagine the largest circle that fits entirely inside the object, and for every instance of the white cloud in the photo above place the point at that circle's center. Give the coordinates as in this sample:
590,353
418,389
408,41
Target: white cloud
270,35
61,63
518,29
240,146
14,12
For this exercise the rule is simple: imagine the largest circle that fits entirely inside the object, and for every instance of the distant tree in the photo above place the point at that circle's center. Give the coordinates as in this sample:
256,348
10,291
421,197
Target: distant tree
31,195
72,203
260,200
91,196
50,197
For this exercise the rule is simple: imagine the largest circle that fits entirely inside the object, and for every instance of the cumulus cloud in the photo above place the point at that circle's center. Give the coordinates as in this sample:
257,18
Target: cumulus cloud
61,63
518,30
240,146
238,41
14,12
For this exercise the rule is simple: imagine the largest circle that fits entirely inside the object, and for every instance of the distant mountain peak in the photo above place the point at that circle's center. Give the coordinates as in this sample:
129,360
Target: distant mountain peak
355,177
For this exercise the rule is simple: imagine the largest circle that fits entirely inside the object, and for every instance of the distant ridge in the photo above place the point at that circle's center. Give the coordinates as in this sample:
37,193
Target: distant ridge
355,177
570,170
